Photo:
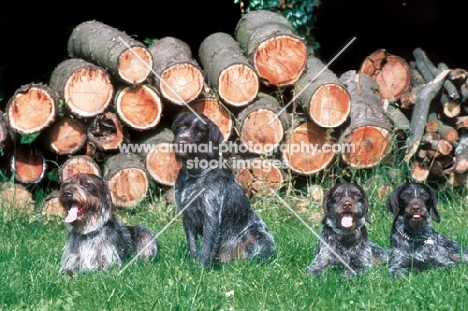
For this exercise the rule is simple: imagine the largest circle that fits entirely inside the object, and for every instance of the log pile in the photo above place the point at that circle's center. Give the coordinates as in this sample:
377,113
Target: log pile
107,110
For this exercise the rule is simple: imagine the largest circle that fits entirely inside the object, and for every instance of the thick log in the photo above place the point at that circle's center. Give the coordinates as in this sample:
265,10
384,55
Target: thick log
228,70
177,75
391,72
122,56
419,171
127,179
159,157
322,96
85,88
32,108
78,164
106,132
216,112
368,134
16,200
307,149
51,207
420,113
257,176
270,42
461,155
66,136
28,164
261,126
139,107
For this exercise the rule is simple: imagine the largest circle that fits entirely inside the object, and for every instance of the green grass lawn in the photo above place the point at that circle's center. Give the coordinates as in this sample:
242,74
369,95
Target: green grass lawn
30,252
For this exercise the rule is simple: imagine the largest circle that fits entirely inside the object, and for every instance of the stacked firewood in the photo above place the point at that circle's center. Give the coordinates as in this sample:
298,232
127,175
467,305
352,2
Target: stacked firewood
283,109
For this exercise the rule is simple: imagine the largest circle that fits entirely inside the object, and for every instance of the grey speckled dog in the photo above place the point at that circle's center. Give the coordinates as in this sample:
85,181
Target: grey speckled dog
415,245
96,239
345,209
221,215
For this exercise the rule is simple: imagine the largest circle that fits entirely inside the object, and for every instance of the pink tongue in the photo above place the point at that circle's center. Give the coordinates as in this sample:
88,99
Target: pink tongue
346,221
72,214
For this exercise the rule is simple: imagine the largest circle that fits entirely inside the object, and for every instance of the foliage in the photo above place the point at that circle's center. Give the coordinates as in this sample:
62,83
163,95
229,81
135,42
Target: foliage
300,13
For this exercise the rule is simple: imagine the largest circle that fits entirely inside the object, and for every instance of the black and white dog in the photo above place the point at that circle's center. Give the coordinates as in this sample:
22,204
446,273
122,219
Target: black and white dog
415,245
96,239
220,213
345,209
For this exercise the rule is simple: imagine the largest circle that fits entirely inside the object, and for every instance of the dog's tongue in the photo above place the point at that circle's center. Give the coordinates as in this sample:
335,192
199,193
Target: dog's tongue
346,221
72,214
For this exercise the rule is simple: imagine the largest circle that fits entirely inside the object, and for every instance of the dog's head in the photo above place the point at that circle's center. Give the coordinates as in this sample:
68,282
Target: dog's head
195,136
87,201
345,208
416,202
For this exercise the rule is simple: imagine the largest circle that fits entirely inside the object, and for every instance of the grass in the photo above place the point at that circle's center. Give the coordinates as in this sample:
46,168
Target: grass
30,251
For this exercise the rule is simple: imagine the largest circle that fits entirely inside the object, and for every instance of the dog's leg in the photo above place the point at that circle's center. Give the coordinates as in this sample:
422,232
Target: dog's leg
191,235
321,261
143,241
379,254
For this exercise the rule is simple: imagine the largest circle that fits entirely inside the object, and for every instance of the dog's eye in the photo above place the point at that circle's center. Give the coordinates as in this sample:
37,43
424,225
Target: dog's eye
337,194
424,194
357,194
405,195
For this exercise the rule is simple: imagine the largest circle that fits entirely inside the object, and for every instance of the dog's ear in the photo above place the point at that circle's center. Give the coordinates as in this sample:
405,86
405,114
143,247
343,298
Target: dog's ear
392,202
434,210
366,209
214,136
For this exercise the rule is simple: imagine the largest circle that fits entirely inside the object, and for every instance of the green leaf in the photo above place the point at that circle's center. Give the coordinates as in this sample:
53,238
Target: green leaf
29,138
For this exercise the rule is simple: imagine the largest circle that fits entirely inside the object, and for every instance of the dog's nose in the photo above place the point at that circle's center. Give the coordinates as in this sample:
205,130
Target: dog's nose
347,204
67,193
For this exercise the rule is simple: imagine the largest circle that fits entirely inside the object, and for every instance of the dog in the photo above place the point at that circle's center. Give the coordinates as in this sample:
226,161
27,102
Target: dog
221,213
414,244
96,239
345,208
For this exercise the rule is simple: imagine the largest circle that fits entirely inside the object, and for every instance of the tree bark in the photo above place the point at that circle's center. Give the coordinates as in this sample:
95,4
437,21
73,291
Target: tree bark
106,132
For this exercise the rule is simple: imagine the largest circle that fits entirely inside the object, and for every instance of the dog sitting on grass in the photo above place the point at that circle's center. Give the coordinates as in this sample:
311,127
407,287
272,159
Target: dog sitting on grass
221,214
345,209
96,239
415,244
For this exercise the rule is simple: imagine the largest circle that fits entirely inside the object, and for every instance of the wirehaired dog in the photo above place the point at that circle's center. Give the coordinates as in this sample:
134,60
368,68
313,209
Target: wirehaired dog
96,239
345,209
414,244
221,214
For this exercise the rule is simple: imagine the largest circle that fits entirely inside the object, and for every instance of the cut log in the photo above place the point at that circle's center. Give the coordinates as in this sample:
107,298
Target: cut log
28,164
122,56
270,42
126,178
420,113
308,149
461,155
139,107
216,112
79,164
51,207
228,70
391,72
257,176
419,171
106,132
16,200
85,88
159,157
3,133
66,136
398,118
368,135
261,126
322,96
177,75
32,108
